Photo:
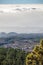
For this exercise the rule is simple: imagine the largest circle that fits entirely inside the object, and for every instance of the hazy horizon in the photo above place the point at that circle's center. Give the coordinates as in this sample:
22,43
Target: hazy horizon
23,22
21,18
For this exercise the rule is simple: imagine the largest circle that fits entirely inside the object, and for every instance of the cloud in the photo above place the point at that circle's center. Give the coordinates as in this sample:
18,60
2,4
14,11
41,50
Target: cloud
24,21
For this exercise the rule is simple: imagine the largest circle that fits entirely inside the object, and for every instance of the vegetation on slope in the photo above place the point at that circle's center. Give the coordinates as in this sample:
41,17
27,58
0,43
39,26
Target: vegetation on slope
36,56
10,56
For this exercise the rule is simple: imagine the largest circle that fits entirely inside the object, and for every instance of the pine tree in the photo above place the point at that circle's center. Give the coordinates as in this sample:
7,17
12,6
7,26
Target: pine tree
36,56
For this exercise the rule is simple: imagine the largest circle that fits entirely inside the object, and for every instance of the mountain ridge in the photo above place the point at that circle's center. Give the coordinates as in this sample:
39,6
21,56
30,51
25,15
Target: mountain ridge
25,35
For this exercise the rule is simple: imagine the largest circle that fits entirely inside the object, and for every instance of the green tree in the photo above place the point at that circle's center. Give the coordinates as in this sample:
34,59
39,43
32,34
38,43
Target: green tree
36,56
11,56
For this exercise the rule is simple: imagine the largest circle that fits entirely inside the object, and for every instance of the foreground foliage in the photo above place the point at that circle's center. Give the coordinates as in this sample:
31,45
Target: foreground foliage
36,56
10,56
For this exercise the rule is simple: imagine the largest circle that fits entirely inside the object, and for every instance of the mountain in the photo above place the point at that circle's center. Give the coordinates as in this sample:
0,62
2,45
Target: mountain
22,35
12,34
3,34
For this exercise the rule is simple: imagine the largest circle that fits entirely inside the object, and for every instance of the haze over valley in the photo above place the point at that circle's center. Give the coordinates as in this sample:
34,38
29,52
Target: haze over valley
21,25
21,18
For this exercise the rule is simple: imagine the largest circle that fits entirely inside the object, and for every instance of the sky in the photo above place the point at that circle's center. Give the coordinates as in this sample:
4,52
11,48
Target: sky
31,22
21,1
